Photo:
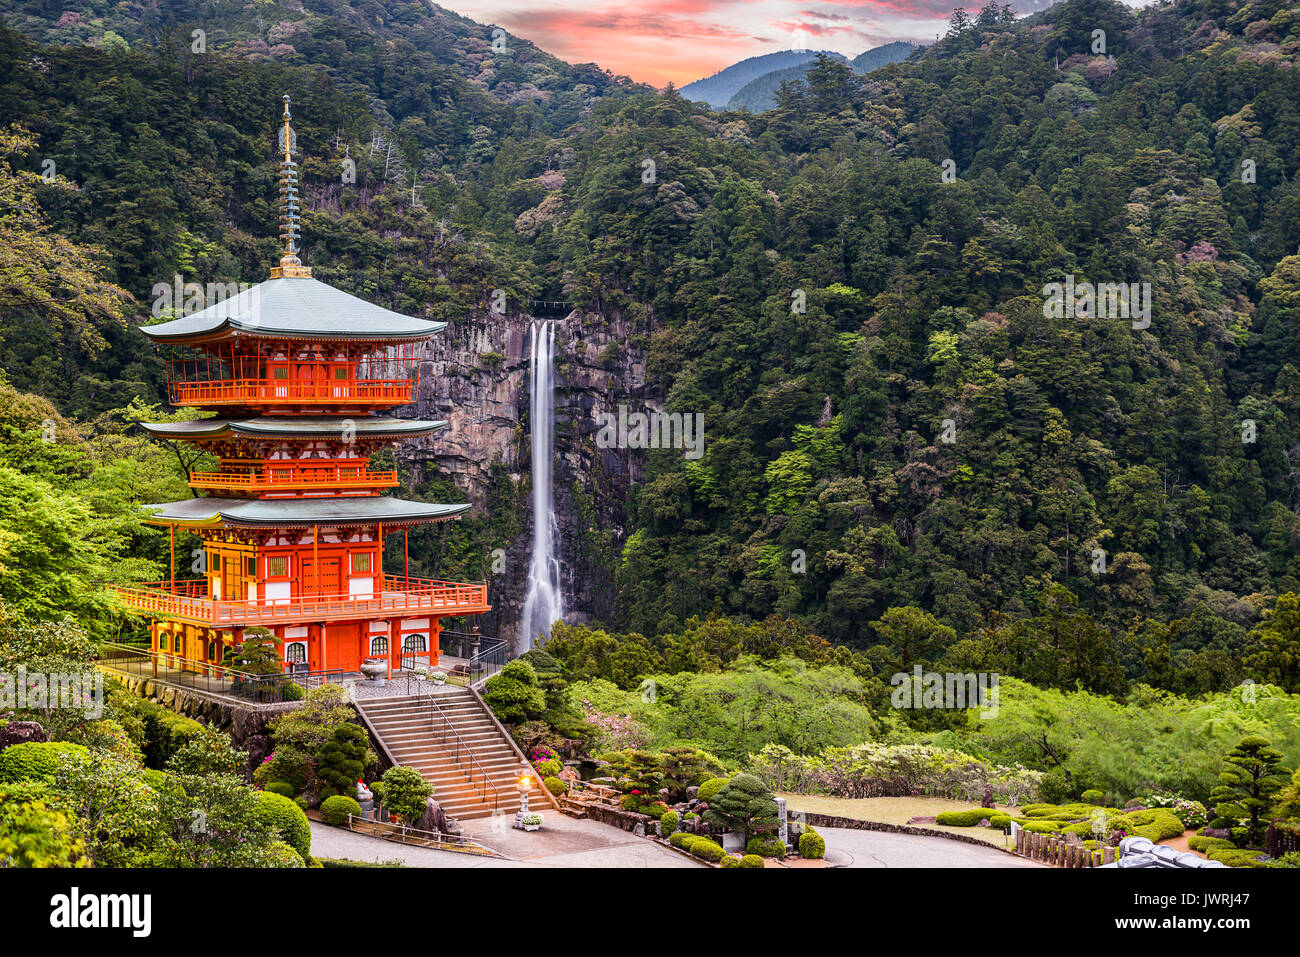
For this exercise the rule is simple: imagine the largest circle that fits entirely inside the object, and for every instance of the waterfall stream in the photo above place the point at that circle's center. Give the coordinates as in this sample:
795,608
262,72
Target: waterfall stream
543,604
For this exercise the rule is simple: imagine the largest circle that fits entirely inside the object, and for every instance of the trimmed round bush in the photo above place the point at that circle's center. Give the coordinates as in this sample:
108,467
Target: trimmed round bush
669,821
678,839
38,760
752,860
335,810
730,861
706,850
282,855
1040,827
765,847
1092,796
1235,857
283,788
963,818
550,768
288,820
812,845
999,820
1206,844
555,786
302,802
711,788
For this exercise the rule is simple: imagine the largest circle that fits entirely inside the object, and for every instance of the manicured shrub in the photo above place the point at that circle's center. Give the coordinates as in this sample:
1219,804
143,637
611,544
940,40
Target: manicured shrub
1040,827
343,760
1199,842
679,838
710,789
752,860
406,793
967,818
302,802
514,693
765,847
669,822
706,850
335,810
550,768
279,787
556,786
1235,857
1092,796
999,820
280,854
283,765
730,861
36,760
812,845
287,819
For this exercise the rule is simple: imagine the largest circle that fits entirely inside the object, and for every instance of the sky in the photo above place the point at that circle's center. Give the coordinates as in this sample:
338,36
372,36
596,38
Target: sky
657,41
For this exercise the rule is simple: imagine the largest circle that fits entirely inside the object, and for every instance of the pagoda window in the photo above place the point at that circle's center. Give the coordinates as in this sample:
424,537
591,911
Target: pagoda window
279,372
277,566
340,372
295,652
212,651
216,561
379,645
251,565
361,563
413,643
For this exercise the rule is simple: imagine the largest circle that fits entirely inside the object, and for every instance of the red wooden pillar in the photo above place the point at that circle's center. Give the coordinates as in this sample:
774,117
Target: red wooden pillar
406,555
171,581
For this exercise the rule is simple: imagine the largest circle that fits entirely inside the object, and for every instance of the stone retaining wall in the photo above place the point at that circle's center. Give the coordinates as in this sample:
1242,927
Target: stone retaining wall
241,721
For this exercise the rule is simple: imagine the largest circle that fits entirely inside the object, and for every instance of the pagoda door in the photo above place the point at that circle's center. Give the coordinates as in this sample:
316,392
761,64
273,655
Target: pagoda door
343,647
324,583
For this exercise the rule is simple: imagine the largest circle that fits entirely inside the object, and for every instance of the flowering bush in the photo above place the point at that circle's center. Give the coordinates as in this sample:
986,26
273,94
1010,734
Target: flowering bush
1193,814
614,732
902,770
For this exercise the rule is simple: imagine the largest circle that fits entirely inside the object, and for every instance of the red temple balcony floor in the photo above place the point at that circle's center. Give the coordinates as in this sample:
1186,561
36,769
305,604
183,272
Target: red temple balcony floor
188,600
380,392
293,478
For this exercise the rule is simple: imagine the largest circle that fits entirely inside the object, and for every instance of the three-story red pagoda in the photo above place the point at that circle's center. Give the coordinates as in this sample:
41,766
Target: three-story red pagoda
294,519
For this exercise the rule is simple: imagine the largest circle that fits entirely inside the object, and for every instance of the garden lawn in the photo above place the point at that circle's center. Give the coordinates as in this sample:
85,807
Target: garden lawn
897,810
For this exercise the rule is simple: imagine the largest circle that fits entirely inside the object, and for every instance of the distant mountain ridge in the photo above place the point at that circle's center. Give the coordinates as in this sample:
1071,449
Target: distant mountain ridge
752,84
718,89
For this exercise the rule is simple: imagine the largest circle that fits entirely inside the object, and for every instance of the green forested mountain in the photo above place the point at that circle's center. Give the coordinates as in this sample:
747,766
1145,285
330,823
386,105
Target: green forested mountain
916,214
760,93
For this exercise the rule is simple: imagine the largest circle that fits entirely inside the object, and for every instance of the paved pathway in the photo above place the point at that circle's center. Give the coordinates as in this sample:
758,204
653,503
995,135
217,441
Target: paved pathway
562,842
847,847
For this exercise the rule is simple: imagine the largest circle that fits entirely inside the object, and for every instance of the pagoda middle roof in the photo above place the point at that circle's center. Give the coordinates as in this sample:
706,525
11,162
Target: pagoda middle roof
295,426
294,308
284,513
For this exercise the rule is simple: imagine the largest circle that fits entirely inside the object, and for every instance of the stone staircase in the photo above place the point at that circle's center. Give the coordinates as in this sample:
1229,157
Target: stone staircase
457,747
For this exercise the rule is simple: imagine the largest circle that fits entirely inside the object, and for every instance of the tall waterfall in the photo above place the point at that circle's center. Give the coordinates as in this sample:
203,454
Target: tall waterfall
544,604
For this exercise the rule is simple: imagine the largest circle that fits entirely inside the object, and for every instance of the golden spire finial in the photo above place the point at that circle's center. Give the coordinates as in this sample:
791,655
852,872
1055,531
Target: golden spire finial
291,266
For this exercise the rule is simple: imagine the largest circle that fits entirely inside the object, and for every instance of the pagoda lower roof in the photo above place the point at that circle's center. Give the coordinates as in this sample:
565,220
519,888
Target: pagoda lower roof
299,513
295,426
297,308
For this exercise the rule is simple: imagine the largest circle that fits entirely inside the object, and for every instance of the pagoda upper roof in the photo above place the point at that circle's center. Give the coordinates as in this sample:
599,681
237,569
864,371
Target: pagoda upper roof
295,426
298,308
297,513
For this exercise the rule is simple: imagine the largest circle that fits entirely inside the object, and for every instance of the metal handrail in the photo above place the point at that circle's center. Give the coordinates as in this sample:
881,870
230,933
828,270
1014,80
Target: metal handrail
207,676
448,726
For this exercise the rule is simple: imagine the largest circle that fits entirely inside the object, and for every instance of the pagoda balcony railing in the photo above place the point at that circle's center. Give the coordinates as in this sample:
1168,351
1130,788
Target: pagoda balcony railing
293,392
188,600
293,478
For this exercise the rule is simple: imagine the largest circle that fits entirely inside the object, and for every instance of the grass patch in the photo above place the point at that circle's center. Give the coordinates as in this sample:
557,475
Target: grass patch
897,810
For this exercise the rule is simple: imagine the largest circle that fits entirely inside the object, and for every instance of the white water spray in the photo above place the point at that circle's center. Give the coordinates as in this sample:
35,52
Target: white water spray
544,604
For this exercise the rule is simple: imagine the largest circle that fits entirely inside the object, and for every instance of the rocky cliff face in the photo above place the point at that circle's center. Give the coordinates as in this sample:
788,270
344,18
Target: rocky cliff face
477,378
